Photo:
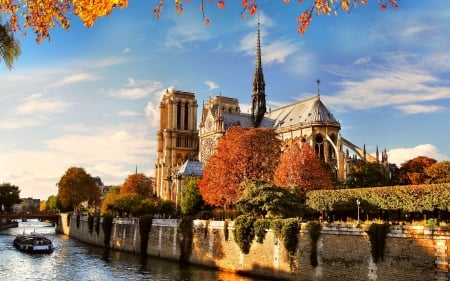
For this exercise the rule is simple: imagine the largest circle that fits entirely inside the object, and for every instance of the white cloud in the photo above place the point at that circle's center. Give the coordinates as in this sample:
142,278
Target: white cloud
275,52
153,115
211,85
405,87
111,153
128,113
38,104
34,110
362,60
417,108
152,111
135,89
76,78
126,51
401,155
105,62
186,29
18,123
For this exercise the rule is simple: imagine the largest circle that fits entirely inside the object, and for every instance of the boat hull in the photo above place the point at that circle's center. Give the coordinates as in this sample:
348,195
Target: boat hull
33,243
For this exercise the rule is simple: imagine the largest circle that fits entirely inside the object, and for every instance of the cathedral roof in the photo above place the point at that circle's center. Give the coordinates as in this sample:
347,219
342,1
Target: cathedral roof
244,120
191,168
306,111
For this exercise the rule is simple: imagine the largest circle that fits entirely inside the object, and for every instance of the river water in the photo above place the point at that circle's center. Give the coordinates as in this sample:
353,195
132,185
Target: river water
75,261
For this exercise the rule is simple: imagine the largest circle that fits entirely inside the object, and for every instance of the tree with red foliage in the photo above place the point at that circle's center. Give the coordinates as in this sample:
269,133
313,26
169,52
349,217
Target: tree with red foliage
137,184
412,172
303,169
242,154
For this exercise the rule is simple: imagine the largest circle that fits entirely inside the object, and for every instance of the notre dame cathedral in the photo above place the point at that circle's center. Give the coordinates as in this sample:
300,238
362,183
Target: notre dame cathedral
183,147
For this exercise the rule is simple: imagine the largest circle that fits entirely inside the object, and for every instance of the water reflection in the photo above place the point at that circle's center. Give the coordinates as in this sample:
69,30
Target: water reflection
75,261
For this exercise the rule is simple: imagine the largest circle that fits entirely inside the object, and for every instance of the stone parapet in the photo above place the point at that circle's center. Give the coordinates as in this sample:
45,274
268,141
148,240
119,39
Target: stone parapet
343,250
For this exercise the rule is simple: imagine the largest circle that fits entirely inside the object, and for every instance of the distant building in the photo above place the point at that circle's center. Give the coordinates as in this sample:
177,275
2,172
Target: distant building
27,205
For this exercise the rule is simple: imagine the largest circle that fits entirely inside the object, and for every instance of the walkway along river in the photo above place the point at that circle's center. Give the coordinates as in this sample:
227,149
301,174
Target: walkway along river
73,260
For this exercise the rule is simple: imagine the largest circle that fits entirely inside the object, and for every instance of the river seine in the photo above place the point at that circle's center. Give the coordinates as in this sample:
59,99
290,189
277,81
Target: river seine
75,261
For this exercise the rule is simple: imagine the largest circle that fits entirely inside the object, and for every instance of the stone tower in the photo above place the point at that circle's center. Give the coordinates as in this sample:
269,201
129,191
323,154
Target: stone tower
177,139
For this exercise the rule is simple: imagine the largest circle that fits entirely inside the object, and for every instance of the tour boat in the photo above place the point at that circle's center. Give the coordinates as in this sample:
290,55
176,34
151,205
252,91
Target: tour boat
33,243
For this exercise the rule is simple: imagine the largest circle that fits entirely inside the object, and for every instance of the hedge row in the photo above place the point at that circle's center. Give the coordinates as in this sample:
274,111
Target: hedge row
414,198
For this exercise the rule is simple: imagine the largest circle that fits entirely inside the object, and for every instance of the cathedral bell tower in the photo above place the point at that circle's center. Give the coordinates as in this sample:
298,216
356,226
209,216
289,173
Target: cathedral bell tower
259,87
177,140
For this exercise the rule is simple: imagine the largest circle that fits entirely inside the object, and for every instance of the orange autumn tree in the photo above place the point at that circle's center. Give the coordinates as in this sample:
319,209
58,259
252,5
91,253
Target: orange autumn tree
41,16
303,169
412,172
242,154
137,183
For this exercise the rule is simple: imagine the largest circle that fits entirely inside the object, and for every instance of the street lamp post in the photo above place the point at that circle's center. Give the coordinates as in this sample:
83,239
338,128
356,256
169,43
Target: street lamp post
358,203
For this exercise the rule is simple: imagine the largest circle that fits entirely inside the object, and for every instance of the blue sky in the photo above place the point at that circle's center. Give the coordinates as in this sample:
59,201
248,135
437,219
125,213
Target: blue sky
89,97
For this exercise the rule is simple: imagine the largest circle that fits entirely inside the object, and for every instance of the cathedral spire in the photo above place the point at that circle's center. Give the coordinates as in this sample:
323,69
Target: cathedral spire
259,86
318,87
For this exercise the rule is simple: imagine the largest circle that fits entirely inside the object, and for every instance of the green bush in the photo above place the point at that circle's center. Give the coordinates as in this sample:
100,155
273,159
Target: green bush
377,236
90,223
225,230
260,229
107,227
276,225
186,237
145,225
314,228
97,225
244,232
290,231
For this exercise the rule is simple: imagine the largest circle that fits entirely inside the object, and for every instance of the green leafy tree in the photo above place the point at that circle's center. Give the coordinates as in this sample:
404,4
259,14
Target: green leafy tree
148,206
260,198
191,201
52,204
126,204
77,186
367,175
9,45
166,208
9,195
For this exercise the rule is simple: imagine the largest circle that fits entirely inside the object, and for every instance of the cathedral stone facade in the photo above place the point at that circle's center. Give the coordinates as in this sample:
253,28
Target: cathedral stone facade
307,121
177,140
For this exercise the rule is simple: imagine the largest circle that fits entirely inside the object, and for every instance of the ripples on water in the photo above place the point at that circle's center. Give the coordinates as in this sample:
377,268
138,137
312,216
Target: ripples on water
75,261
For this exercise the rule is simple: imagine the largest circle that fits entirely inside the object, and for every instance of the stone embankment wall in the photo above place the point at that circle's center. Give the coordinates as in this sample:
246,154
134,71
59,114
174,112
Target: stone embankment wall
344,251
